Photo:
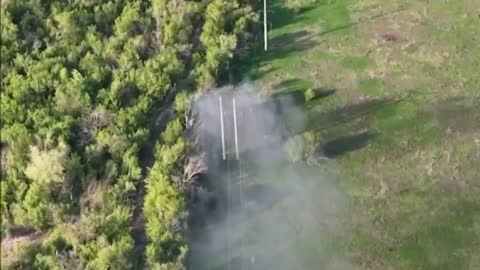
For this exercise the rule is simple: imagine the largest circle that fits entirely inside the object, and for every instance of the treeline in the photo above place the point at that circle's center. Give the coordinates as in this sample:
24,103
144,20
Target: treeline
81,82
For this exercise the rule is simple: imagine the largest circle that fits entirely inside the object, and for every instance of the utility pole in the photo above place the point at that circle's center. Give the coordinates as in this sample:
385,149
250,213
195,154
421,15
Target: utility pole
237,155
265,24
224,155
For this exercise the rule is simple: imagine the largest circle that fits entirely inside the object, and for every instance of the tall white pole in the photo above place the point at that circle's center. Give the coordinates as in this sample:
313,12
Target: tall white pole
235,128
222,128
265,24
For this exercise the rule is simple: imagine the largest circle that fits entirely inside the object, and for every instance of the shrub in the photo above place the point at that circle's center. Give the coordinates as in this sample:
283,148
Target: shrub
309,94
301,147
172,132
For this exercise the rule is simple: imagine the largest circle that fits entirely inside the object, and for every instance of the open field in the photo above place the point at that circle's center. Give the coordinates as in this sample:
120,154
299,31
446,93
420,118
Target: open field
402,124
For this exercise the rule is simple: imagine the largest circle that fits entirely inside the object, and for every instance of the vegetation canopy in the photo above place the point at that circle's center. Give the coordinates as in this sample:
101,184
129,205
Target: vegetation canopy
85,89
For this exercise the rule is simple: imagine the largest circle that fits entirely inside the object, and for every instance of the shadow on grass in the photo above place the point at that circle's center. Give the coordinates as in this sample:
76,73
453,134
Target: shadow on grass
262,73
291,85
346,144
460,114
362,20
350,114
427,125
284,105
353,120
299,40
279,47
296,95
279,16
283,46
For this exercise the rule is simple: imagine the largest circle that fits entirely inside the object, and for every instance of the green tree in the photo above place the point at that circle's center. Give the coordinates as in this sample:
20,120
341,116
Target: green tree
47,166
172,132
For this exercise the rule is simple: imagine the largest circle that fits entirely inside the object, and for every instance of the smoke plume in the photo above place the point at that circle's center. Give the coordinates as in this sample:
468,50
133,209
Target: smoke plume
261,211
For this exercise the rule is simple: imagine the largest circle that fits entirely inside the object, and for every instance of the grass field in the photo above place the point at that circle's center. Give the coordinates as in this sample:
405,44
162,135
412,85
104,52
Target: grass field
403,122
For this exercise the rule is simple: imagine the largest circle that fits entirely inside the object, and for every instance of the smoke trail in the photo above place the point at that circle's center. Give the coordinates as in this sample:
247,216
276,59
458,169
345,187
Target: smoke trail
268,213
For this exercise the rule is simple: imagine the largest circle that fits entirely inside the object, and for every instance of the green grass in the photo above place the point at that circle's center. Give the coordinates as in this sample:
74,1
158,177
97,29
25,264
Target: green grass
356,62
372,87
425,149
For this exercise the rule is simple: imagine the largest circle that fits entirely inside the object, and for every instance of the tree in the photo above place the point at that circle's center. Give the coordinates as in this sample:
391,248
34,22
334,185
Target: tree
47,170
9,45
65,25
47,166
181,102
131,21
112,255
34,210
72,101
172,132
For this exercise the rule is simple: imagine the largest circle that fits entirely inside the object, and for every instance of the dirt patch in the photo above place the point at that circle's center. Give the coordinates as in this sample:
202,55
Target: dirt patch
388,35
11,245
4,151
454,182
384,188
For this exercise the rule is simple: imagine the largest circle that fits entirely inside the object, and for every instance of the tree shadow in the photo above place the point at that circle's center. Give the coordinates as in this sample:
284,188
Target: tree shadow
354,122
286,105
295,40
279,16
278,110
289,85
454,114
284,45
346,144
262,73
280,47
296,98
293,90
460,114
360,21
353,113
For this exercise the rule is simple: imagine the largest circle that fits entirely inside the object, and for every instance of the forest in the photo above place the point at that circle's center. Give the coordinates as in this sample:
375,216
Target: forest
92,123
356,146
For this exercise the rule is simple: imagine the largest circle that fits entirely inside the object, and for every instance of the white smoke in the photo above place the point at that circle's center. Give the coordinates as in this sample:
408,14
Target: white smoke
269,214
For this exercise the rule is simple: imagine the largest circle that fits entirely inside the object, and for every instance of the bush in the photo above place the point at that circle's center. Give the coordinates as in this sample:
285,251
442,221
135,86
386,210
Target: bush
47,166
294,148
172,132
309,94
301,147
181,101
